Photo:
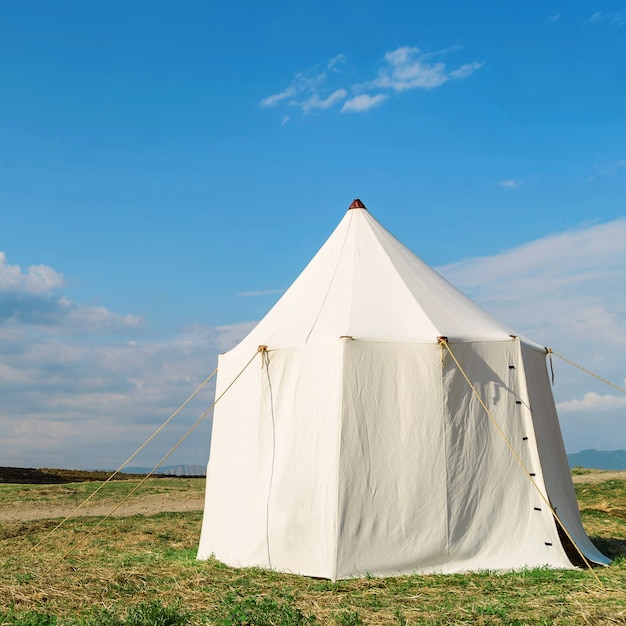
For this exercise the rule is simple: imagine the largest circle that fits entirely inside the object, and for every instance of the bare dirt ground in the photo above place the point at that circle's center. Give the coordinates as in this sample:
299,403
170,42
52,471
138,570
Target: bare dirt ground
173,501
598,476
141,505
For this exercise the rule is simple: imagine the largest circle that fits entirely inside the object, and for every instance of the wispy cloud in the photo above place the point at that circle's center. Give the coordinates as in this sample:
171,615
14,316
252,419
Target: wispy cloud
84,386
465,70
511,184
70,402
364,102
516,183
408,68
562,291
303,82
608,170
404,69
316,102
339,63
616,18
307,85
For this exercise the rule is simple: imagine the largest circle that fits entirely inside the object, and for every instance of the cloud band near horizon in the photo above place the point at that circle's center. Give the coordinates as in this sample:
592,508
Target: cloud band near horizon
67,396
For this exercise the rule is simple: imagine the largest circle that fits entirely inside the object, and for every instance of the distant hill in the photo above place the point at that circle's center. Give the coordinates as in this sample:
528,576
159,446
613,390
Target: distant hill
599,459
30,475
170,470
50,476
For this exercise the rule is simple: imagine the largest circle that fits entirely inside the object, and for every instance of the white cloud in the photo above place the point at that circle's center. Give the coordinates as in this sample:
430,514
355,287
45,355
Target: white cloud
608,170
408,68
274,99
36,279
303,82
510,184
466,70
309,83
338,63
364,102
315,102
616,18
84,386
405,68
565,291
592,401
28,300
72,403
565,263
99,319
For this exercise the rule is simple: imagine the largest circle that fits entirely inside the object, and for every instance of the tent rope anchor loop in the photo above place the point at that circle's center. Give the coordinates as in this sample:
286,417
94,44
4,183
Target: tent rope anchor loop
580,367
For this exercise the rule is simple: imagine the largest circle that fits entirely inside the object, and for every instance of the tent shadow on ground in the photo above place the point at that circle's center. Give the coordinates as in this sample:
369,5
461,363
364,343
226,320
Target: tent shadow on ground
613,547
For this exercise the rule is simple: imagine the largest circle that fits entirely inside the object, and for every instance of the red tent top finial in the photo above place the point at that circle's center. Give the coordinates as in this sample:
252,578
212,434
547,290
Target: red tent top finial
357,204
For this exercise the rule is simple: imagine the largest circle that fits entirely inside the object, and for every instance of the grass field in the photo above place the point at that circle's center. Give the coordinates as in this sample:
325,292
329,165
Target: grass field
141,570
77,492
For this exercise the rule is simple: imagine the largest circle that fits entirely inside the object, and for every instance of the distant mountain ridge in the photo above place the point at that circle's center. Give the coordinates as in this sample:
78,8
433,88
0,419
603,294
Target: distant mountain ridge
170,470
598,459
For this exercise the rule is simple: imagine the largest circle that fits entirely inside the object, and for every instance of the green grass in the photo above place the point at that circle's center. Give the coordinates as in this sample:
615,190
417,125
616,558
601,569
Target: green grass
579,471
138,570
144,614
607,496
75,493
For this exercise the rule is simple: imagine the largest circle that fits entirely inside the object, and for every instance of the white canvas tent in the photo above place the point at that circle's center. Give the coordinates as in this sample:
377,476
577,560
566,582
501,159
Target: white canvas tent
352,444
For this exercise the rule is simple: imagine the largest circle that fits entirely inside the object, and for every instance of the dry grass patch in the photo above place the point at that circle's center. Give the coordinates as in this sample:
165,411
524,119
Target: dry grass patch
133,561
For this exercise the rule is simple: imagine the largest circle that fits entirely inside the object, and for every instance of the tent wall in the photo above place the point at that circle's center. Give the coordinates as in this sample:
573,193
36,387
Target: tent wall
552,455
496,516
302,404
392,474
426,482
232,505
361,457
271,497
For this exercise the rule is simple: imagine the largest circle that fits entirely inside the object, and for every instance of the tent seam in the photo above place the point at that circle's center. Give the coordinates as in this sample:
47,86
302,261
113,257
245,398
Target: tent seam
330,284
338,457
445,451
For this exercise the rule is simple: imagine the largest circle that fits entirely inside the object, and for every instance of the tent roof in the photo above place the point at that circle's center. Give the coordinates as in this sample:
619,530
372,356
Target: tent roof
365,284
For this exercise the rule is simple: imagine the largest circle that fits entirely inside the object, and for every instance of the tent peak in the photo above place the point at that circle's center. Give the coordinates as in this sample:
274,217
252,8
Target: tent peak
357,204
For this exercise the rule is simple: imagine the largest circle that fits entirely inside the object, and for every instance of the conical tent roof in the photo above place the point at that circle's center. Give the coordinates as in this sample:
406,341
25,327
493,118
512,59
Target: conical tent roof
365,284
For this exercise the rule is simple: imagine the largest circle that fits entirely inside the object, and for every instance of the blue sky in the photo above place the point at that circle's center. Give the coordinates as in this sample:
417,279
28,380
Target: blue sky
167,169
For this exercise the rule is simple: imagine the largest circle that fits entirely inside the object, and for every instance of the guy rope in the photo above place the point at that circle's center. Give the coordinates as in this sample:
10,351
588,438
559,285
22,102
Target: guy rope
262,350
580,367
444,342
